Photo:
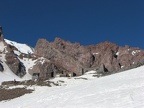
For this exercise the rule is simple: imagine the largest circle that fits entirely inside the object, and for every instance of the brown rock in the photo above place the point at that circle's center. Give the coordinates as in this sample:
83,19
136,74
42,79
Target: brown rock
15,65
76,58
58,56
46,69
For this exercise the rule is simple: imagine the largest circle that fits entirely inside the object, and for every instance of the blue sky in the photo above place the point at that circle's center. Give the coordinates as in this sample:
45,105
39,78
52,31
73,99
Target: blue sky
83,21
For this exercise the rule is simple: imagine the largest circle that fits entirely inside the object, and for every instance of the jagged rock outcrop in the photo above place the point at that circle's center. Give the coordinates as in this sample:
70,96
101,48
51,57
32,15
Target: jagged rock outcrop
105,53
106,56
45,49
76,51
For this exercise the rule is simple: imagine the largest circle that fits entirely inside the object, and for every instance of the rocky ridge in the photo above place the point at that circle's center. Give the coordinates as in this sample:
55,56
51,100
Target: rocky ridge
64,58
105,57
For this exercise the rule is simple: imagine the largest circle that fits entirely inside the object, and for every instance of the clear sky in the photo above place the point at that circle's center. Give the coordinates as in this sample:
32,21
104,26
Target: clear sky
83,21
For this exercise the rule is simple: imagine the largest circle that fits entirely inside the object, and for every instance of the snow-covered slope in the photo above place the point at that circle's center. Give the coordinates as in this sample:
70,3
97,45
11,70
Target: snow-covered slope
23,48
122,90
7,74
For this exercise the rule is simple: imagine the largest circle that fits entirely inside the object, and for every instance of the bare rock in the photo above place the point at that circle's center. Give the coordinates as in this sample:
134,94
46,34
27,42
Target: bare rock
105,53
15,65
1,67
46,69
58,56
102,70
76,58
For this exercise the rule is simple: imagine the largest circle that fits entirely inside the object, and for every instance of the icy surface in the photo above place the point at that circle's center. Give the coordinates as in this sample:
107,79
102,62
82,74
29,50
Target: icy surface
122,90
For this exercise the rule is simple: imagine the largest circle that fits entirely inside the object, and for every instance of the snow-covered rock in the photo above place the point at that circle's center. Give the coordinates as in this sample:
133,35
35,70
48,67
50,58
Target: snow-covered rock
23,48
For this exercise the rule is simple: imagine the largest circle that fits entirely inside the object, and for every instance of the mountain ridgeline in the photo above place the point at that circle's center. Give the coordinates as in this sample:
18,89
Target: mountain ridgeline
63,58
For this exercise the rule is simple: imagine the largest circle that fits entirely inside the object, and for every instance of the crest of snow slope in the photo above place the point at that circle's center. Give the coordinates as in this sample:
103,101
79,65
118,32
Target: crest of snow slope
122,90
23,48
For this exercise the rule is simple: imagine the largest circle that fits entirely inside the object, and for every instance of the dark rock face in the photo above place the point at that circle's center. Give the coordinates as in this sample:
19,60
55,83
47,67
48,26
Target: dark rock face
15,65
1,67
106,57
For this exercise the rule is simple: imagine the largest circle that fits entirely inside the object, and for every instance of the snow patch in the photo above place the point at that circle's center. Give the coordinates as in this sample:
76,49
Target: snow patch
135,52
23,48
95,53
117,53
28,63
41,60
17,52
122,67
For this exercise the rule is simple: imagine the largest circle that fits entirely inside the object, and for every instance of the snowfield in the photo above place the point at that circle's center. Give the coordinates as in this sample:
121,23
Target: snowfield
122,90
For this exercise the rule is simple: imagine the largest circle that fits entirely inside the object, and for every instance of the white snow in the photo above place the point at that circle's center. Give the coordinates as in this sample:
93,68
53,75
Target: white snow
95,53
135,52
122,66
117,53
23,48
122,90
41,60
7,74
17,52
28,63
